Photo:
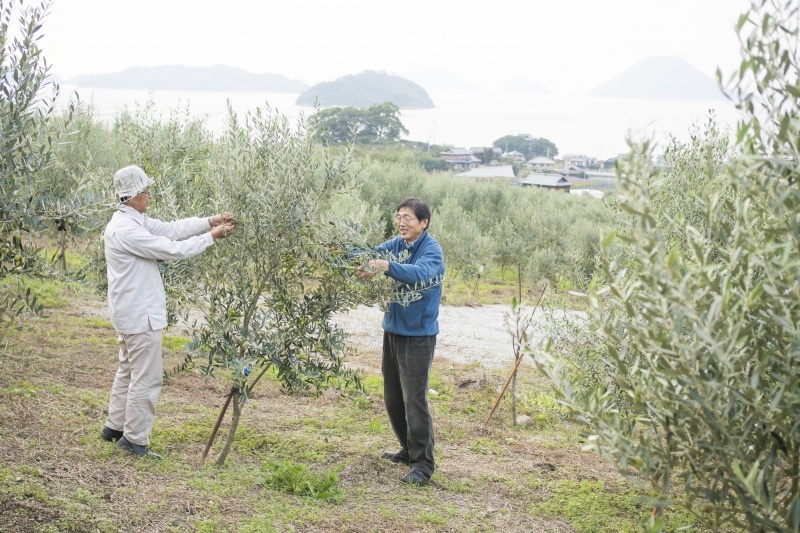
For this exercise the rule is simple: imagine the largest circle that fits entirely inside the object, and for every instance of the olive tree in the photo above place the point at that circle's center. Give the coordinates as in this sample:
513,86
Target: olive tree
177,153
77,187
268,293
27,135
698,308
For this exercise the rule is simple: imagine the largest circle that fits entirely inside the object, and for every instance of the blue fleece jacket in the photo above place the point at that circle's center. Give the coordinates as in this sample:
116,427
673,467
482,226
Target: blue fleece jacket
424,265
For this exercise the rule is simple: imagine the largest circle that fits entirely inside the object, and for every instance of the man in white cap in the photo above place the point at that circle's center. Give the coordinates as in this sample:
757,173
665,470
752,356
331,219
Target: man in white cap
137,301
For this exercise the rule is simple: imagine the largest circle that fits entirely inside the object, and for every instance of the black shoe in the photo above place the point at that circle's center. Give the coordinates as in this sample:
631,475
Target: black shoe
395,457
416,478
141,451
110,435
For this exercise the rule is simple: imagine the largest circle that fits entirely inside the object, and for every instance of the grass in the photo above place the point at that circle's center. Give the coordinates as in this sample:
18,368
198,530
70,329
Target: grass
497,287
492,288
297,463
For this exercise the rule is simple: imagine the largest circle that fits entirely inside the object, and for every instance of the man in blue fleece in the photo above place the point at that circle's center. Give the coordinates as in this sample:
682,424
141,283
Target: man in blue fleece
417,264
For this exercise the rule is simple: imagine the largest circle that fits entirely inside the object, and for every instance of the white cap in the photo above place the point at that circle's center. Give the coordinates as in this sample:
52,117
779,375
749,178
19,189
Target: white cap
130,181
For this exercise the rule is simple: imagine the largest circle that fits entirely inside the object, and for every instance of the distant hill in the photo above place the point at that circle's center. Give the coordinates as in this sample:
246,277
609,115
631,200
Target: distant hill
439,80
178,77
366,89
661,78
521,85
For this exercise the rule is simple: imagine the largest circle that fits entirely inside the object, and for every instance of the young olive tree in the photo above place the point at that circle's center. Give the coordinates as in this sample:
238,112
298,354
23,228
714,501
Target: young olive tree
466,249
699,309
177,153
76,185
27,135
268,293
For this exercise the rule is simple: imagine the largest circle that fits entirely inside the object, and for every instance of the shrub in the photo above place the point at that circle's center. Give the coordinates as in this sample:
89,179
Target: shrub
27,135
699,307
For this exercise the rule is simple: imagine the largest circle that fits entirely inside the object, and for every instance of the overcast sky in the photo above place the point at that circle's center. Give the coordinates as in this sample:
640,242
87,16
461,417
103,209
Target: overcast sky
556,42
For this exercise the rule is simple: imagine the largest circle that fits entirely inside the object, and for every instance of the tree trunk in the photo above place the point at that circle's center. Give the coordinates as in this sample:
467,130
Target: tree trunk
475,289
514,397
237,412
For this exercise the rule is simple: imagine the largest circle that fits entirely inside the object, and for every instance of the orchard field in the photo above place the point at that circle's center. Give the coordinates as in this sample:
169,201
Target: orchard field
667,402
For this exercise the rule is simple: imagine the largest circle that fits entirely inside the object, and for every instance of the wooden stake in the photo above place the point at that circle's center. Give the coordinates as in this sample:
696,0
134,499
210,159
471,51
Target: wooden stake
514,371
234,390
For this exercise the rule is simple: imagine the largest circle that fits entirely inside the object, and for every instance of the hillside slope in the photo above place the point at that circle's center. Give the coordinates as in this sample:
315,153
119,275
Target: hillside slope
660,78
366,89
179,77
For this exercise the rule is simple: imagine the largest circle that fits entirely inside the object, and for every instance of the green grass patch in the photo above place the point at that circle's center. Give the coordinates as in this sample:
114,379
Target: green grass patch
297,479
175,342
373,384
225,482
22,483
196,429
21,390
96,322
49,293
594,507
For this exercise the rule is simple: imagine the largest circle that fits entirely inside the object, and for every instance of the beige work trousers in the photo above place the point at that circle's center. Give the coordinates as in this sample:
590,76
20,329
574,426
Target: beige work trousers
132,408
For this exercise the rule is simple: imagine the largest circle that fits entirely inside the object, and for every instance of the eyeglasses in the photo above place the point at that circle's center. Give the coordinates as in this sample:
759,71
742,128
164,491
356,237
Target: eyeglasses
148,192
404,218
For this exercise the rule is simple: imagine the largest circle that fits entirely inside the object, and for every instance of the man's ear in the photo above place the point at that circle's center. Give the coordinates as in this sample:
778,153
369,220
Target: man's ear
427,221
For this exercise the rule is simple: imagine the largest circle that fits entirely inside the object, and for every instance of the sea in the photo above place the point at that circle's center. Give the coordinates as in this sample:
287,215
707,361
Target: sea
576,124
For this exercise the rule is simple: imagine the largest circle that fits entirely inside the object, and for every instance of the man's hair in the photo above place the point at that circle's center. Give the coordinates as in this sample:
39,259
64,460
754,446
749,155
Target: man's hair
420,208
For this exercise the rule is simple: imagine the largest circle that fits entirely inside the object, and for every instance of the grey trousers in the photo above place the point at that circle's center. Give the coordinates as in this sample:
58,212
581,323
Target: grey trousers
406,366
132,408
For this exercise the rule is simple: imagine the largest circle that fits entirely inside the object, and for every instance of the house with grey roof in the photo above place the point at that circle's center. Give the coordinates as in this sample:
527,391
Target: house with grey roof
542,164
554,182
497,171
479,151
518,157
577,160
459,159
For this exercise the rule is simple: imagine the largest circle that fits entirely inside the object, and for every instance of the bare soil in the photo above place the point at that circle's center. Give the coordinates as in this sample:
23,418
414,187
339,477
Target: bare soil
467,335
57,475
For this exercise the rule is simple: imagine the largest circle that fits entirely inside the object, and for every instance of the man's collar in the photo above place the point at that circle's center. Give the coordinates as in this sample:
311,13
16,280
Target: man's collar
128,210
421,237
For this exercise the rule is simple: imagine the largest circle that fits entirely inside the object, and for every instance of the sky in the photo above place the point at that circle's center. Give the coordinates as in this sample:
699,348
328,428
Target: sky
562,44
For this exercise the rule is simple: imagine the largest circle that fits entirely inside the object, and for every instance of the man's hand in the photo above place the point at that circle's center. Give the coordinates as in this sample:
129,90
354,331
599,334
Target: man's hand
223,230
375,266
221,218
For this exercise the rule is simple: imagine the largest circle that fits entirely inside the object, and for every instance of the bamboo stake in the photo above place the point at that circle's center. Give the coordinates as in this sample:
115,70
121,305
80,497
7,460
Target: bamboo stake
228,397
516,366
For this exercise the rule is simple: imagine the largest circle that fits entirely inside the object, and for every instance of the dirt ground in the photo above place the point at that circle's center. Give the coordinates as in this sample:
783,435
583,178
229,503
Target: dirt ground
58,475
467,335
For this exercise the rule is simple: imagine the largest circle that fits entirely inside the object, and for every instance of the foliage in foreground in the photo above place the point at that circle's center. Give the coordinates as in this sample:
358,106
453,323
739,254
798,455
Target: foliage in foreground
28,133
698,313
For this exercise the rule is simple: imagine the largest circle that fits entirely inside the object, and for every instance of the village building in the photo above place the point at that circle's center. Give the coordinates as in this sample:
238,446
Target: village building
553,182
479,151
518,157
578,160
499,171
542,164
459,159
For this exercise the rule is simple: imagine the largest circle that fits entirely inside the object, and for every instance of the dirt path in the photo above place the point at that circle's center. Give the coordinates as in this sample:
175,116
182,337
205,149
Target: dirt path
467,334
